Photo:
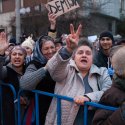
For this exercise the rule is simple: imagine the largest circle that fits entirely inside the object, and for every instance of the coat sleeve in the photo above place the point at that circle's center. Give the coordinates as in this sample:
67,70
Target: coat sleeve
58,67
106,117
3,69
104,83
32,77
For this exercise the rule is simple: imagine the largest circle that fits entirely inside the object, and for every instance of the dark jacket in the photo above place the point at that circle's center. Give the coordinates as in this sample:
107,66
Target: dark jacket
100,59
7,97
114,96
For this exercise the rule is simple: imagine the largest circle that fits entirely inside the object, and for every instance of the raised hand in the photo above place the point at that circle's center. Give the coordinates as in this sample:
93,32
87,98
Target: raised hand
73,38
52,19
3,43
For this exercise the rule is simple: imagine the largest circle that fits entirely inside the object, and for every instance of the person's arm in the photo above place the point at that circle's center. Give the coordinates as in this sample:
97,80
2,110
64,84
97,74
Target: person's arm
58,64
32,77
3,69
52,29
3,46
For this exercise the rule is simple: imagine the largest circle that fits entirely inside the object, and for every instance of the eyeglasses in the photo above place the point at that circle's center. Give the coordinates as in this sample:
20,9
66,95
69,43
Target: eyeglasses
107,39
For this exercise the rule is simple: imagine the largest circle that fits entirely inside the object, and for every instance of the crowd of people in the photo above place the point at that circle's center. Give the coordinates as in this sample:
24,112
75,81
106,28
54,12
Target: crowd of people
69,66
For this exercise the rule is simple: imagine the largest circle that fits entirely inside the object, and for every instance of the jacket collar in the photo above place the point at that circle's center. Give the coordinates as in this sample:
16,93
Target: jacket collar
93,69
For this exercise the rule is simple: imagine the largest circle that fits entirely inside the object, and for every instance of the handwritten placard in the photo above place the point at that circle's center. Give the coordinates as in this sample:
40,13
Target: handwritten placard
60,7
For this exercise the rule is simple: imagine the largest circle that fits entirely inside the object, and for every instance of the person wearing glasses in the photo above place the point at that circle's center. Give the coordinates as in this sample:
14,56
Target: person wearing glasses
101,57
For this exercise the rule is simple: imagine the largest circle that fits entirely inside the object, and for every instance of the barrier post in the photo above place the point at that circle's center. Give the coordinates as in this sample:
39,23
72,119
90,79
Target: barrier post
1,114
37,108
8,85
85,114
58,111
19,109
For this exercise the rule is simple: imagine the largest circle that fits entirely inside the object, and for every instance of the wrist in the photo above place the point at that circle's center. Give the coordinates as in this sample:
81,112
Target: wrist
53,27
69,50
2,54
87,97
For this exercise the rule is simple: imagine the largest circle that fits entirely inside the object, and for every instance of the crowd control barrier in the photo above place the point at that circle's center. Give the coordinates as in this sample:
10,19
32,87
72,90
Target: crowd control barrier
59,98
97,105
37,93
12,89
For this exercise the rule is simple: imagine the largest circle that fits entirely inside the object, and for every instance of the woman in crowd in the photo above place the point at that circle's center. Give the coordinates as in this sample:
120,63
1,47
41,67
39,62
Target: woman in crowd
36,77
115,96
77,78
10,73
28,45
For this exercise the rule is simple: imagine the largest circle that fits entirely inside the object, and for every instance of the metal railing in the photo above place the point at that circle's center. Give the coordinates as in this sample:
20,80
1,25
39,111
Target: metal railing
37,93
4,85
59,98
97,105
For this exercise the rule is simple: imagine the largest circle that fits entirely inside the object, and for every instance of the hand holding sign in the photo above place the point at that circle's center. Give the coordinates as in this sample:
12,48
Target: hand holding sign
60,7
73,38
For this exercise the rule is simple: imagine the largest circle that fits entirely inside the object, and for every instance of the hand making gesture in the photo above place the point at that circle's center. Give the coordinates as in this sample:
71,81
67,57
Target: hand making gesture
73,38
3,43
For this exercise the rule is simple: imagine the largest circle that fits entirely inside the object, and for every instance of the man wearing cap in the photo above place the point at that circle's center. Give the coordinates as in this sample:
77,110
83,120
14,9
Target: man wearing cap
101,57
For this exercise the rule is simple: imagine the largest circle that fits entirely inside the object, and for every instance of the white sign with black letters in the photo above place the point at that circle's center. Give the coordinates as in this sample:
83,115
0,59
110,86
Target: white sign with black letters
60,7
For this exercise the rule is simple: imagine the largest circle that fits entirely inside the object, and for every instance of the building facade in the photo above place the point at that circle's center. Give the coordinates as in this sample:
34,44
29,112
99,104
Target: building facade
97,15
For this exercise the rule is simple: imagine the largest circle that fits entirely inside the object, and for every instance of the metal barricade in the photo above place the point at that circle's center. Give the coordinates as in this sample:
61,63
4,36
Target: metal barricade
7,85
59,98
37,93
97,105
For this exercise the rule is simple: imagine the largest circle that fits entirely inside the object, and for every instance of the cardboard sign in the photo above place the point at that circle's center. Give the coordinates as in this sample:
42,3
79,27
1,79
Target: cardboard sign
60,7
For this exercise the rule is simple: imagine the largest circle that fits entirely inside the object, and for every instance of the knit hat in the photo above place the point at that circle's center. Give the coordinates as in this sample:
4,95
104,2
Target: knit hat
106,34
118,62
29,42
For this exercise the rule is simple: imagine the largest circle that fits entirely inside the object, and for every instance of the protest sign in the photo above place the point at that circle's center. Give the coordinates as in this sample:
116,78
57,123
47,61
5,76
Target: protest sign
60,7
